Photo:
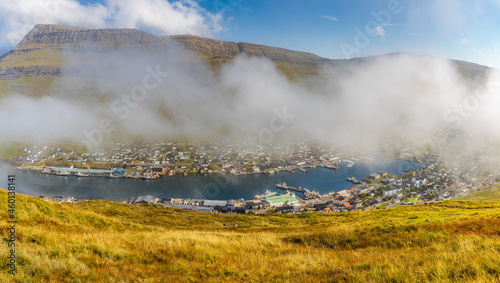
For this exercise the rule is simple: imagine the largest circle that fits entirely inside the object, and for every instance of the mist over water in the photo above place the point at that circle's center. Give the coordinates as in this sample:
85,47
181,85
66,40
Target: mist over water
171,94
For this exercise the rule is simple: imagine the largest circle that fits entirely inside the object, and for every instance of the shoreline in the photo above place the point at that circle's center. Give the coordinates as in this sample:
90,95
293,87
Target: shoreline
415,185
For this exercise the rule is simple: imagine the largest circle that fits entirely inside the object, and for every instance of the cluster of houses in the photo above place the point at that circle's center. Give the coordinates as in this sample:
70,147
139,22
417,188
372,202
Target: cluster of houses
426,184
185,158
221,206
286,203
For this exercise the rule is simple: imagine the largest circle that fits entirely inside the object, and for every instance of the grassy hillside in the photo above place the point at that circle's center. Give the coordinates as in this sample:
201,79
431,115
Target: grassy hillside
485,195
111,242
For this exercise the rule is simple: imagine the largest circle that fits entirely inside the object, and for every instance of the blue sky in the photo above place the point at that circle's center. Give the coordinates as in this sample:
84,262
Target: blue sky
467,30
459,29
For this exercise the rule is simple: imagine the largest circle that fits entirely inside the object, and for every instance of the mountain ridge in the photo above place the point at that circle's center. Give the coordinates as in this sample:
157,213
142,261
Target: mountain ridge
37,61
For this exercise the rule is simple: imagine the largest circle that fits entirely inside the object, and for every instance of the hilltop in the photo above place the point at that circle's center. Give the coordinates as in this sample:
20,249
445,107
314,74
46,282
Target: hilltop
112,242
38,61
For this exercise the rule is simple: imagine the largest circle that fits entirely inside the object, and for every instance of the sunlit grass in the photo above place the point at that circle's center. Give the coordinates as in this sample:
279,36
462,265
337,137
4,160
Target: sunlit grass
111,242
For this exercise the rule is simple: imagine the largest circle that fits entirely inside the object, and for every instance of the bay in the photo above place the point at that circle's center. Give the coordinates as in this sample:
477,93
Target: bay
198,187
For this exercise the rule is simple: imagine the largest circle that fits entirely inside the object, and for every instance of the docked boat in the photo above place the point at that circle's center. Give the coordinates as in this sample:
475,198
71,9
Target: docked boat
150,176
80,174
282,186
353,180
311,194
63,173
331,167
266,194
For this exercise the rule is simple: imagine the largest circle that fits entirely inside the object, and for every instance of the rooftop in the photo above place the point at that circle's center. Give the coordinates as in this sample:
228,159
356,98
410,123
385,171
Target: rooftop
281,199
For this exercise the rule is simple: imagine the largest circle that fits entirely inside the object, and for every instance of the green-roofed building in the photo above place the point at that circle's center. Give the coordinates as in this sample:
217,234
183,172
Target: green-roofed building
282,200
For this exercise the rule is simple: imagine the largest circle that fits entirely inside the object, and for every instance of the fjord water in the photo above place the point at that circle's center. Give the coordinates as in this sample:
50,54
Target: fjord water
201,187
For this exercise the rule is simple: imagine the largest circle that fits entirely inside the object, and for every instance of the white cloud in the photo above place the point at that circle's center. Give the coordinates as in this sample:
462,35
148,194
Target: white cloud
331,18
465,41
379,30
162,17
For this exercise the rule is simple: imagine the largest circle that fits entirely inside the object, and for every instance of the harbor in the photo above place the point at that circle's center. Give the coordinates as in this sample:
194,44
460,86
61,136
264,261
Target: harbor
195,186
394,182
306,192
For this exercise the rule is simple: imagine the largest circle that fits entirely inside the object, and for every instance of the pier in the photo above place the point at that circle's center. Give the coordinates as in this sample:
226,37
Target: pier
307,194
285,187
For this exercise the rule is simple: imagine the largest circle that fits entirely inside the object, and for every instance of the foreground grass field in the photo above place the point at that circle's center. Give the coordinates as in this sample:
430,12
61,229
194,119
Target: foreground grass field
110,242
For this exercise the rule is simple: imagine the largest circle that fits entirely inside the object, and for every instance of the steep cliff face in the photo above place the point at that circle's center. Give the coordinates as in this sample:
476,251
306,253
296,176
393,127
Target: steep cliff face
293,63
38,58
208,48
76,37
37,61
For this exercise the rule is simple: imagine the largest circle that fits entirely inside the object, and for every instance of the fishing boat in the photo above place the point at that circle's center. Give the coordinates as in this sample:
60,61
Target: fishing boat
81,174
266,194
353,180
63,173
282,186
150,176
331,167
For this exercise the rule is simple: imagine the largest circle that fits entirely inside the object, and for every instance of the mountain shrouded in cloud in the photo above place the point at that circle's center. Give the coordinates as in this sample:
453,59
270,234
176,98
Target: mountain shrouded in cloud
160,17
123,84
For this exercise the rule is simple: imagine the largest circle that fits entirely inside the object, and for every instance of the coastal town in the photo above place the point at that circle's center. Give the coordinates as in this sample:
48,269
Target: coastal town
429,183
377,191
151,160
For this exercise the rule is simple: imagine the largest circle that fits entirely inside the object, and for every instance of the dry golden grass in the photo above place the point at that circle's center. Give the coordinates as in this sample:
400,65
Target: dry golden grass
110,242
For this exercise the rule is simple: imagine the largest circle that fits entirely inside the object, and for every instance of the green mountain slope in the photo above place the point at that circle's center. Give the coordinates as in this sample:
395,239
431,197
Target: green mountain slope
38,61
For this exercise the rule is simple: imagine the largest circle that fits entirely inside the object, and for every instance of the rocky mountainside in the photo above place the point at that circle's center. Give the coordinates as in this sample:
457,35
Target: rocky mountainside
37,62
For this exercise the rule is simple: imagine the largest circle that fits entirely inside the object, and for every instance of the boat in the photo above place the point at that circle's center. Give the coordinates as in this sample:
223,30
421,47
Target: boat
266,194
311,194
150,176
282,186
303,170
135,175
353,180
80,174
331,167
63,173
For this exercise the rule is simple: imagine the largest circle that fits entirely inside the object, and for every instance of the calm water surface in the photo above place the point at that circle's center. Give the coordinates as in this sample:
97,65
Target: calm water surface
204,187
